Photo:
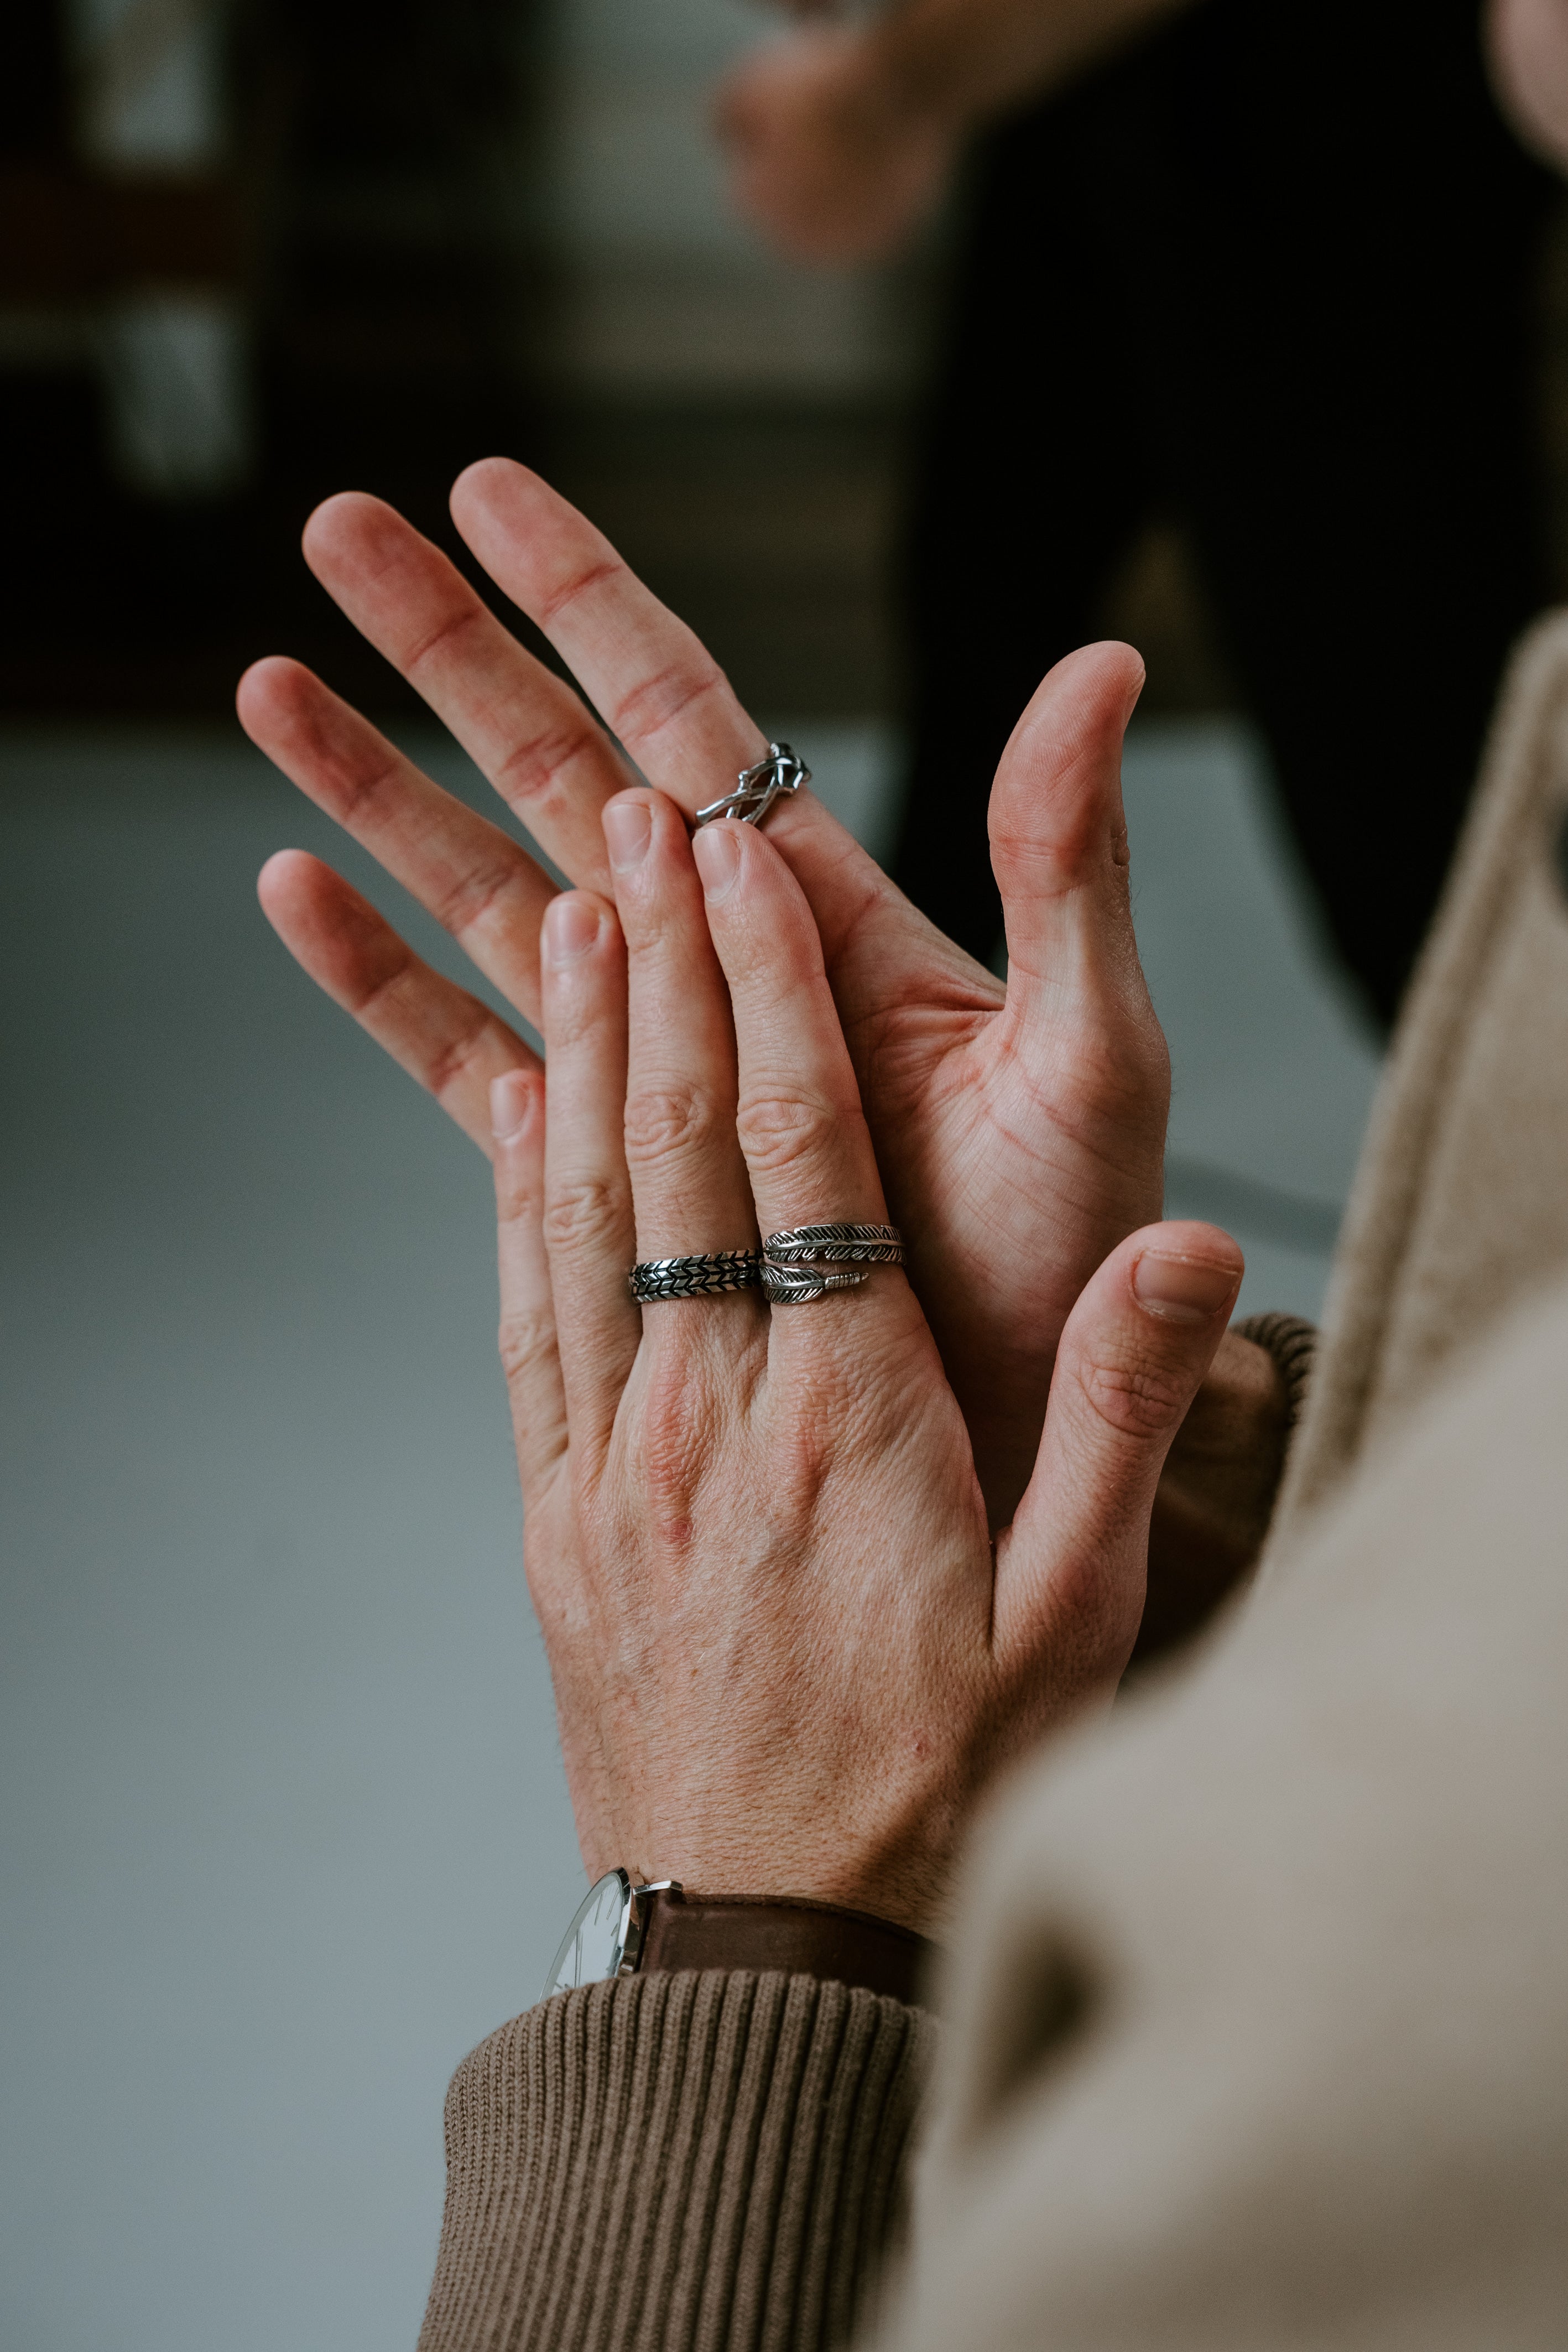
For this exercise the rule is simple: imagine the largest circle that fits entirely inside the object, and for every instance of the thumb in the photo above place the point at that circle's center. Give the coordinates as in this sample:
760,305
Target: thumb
1071,1569
1059,837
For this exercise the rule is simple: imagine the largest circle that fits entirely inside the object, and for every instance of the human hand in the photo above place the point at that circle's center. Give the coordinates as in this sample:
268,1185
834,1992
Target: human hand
1020,1130
831,156
784,1655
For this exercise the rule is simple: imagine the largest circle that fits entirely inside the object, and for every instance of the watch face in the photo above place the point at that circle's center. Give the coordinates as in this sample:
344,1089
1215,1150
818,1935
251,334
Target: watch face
595,1943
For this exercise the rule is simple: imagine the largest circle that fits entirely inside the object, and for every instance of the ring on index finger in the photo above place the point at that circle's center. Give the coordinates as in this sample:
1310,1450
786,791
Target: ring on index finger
805,1262
774,778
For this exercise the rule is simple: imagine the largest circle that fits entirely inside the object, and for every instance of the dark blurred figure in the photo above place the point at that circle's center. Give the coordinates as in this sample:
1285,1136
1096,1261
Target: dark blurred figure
1270,271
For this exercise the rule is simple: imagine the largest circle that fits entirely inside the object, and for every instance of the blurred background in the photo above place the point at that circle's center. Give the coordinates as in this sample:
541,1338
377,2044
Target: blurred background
285,1831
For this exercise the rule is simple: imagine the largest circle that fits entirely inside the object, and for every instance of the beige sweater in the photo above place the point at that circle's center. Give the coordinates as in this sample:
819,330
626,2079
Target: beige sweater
1258,2021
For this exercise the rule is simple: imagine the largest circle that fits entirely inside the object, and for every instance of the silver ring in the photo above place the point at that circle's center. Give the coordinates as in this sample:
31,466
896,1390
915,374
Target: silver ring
772,779
805,1262
836,1245
695,1278
797,1286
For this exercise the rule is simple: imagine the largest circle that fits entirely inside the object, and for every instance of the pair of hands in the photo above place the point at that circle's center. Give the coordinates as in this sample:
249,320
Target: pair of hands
761,1546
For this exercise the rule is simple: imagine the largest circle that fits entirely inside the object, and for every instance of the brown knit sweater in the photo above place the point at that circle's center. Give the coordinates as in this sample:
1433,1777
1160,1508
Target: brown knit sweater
706,2161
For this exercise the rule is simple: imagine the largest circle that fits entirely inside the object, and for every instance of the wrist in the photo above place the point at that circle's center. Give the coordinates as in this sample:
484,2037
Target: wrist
625,1928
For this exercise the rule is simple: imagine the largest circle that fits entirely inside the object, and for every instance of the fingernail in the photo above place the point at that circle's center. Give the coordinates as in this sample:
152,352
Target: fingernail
571,926
718,853
511,1100
628,829
1181,1289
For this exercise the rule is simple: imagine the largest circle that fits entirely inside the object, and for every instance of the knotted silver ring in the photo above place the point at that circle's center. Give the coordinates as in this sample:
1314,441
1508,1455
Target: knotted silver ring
757,789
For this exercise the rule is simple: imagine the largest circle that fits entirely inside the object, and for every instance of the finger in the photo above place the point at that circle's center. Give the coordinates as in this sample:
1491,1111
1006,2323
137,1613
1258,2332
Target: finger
448,1040
798,1117
531,735
659,690
1071,1571
1059,848
689,1186
546,754
474,878
588,1225
529,1356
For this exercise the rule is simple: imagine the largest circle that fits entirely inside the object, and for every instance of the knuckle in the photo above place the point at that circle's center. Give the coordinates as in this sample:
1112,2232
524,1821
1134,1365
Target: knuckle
526,1343
804,1455
1134,1395
782,1128
678,1435
532,769
581,1213
663,1122
691,678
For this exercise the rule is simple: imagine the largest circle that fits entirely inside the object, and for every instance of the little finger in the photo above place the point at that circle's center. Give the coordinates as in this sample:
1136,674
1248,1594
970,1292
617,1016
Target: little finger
530,1357
588,1221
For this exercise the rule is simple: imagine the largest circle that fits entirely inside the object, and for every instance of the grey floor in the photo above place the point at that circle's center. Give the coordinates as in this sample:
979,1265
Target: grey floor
284,1829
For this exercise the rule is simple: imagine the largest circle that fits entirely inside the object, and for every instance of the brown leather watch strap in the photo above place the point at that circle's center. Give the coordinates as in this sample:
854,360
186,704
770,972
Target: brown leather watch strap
787,1932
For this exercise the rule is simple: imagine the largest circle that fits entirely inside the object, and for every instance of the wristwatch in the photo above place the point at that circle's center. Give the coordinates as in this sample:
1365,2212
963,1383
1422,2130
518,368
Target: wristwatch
627,1928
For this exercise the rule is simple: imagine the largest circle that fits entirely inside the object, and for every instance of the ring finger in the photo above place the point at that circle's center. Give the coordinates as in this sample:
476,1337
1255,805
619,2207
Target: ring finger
689,1187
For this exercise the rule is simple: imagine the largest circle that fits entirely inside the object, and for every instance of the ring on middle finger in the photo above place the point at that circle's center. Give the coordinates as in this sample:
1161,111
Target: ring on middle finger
805,1262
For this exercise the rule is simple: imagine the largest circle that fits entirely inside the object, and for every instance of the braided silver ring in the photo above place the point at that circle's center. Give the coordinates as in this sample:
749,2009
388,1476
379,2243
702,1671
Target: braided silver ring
695,1278
772,779
805,1262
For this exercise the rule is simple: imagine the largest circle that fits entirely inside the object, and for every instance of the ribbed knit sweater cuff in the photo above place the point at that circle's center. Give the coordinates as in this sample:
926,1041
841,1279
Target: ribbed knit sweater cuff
706,2162
1294,1344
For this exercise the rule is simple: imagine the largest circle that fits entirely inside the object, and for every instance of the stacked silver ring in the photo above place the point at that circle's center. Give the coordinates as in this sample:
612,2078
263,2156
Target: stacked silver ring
695,1278
805,1262
793,1267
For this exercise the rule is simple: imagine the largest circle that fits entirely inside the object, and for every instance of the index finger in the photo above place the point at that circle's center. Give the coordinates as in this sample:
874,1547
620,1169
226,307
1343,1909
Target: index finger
655,684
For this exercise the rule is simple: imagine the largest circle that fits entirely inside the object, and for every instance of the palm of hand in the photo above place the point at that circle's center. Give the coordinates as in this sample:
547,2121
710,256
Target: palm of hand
1019,1135
1013,1179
